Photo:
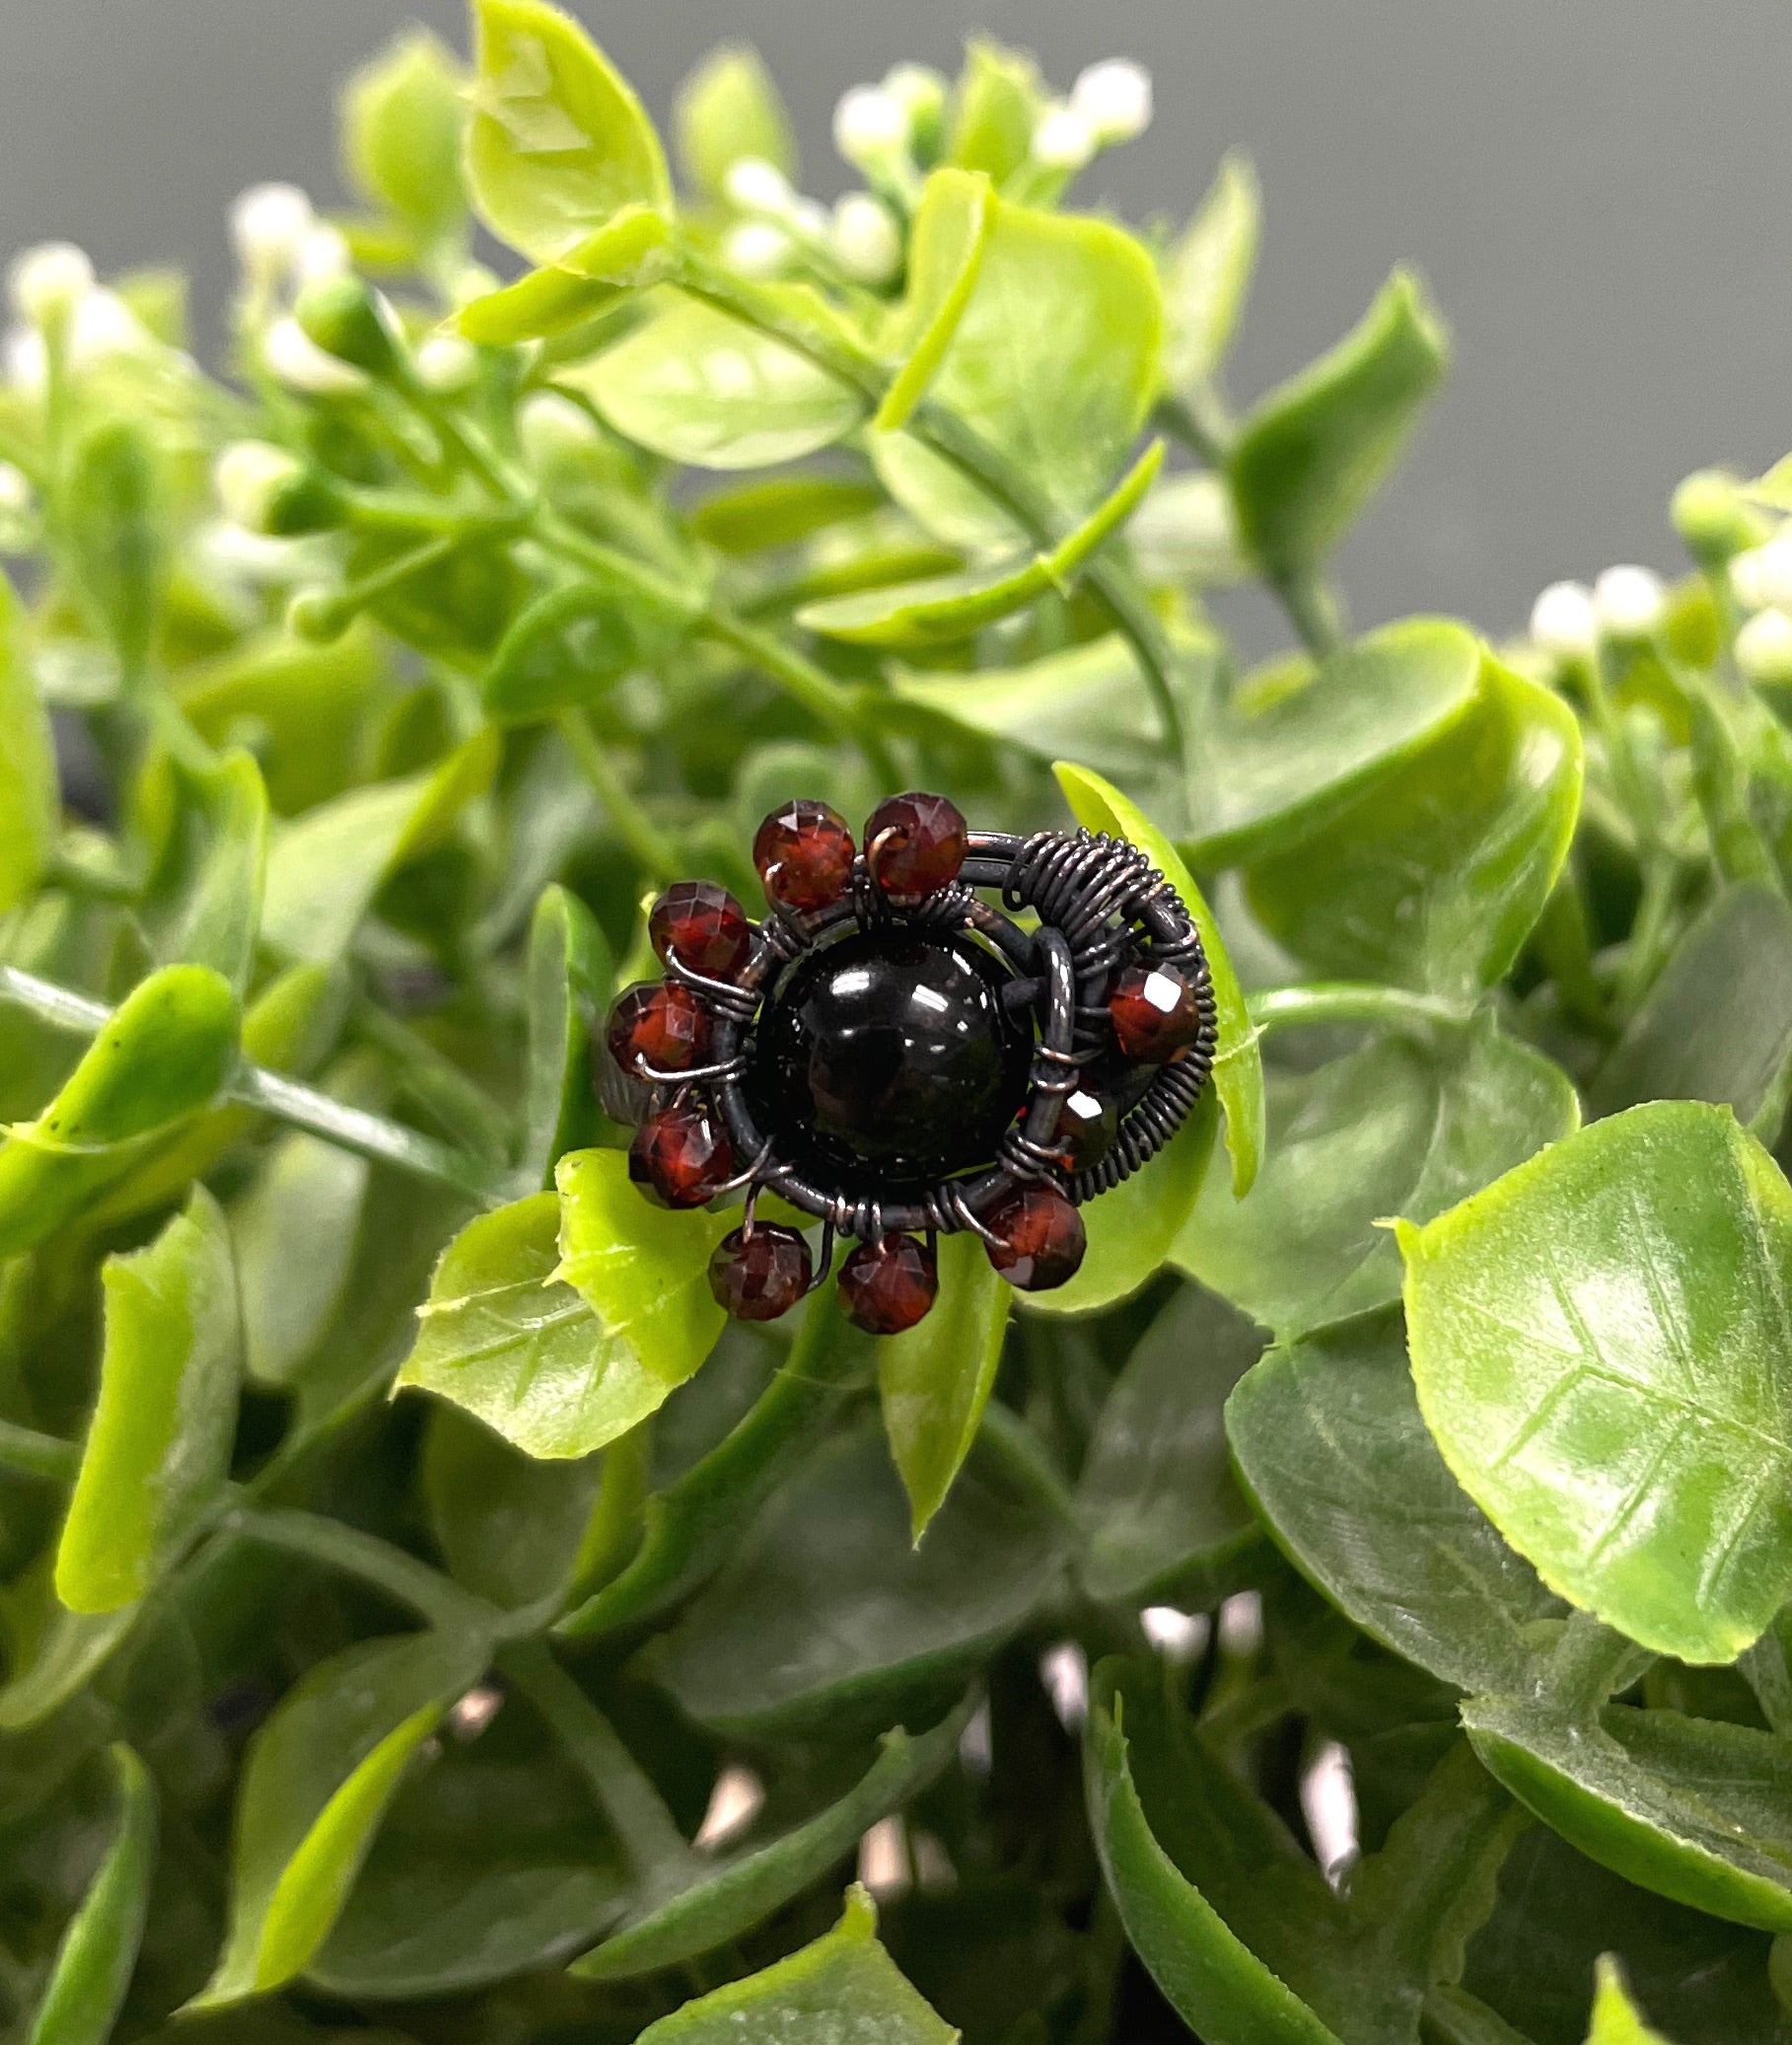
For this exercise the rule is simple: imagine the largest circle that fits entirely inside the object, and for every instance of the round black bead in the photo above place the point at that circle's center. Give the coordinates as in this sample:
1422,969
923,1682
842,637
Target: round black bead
888,1059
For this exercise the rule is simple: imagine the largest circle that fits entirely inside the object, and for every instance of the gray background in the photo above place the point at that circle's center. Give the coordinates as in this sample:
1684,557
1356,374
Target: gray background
1597,190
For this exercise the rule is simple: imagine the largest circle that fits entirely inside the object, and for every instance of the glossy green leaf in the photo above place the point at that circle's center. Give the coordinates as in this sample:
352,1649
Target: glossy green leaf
317,1780
1596,1341
1397,1127
1311,455
158,1449
699,387
31,807
1681,1044
112,512
571,977
165,1055
1434,880
935,1379
504,1335
206,823
1053,362
1134,1229
510,1526
843,1986
996,106
402,120
52,1654
1617,2021
727,109
946,243
780,510
1208,275
629,250
914,615
324,869
1163,1519
1328,1440
558,141
1238,1066
99,1950
828,1614
1272,763
731,1895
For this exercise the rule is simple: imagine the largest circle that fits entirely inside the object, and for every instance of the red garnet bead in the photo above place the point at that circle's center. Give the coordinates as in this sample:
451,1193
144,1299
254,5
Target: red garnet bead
1155,1016
664,1028
759,1275
804,854
914,846
1087,1127
680,1157
1041,1238
703,927
887,1285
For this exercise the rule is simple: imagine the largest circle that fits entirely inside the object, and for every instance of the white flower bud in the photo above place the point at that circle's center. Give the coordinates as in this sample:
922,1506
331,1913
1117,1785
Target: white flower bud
1764,647
809,218
919,90
869,123
756,248
866,237
445,363
105,326
269,224
322,253
550,425
1763,574
26,360
15,491
1629,603
1562,622
1063,140
757,187
1115,99
247,475
47,283
293,360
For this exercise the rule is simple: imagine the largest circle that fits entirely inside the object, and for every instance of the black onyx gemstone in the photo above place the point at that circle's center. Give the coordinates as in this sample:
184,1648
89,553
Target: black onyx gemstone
888,1059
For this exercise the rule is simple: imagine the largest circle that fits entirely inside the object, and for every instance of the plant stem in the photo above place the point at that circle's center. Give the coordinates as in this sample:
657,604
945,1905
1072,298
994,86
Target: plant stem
27,1453
1344,1001
254,1086
401,1577
626,1794
1312,610
653,851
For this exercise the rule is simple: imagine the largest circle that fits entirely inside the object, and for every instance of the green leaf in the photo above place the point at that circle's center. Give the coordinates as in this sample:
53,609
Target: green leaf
158,1450
114,527
1692,1808
842,1987
1683,1044
1328,1441
31,808
778,1637
946,243
401,120
699,387
1311,455
996,106
1399,1127
914,615
1434,879
165,1055
568,648
205,825
1053,362
317,1780
1238,1066
99,1950
510,1526
1208,275
503,1335
935,1379
1163,1519
558,143
1271,763
1617,2021
569,980
325,868
730,1896
780,511
629,251
727,109
1595,1342
1133,1228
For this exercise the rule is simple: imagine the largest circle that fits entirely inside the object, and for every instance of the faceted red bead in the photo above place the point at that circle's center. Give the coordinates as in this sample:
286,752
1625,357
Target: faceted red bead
888,1286
759,1276
1042,1238
680,1157
703,927
1087,1127
664,1028
914,846
1155,1016
804,854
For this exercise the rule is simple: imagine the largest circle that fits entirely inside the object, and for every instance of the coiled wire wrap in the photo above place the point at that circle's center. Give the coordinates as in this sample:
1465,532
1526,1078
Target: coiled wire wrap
1100,904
